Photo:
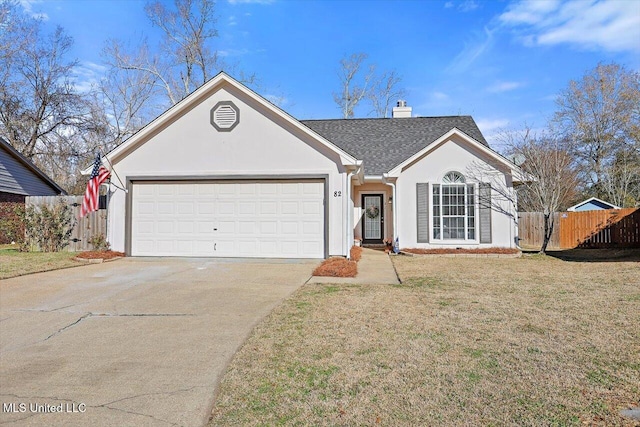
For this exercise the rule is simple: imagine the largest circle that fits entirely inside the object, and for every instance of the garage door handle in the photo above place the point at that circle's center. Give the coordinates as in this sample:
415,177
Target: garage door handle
214,246
215,229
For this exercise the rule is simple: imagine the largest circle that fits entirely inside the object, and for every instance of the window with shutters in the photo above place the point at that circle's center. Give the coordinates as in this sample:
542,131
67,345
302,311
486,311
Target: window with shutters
454,208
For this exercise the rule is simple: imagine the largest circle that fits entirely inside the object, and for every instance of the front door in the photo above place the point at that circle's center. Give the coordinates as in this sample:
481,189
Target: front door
372,218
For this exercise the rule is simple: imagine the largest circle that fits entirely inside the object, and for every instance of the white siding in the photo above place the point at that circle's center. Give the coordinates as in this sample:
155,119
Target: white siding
262,145
453,155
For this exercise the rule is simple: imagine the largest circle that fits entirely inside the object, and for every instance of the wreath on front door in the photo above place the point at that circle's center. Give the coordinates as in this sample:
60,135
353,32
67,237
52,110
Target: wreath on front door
372,212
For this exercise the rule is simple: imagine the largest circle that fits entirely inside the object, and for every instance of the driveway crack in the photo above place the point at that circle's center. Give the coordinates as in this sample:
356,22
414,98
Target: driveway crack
68,326
117,315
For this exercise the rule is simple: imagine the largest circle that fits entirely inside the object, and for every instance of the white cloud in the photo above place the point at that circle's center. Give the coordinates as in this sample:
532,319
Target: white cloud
491,129
472,51
468,6
87,76
232,21
591,24
233,52
504,87
463,6
27,5
439,96
489,126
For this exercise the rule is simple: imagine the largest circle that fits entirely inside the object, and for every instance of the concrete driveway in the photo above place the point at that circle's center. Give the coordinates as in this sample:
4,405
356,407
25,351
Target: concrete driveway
135,342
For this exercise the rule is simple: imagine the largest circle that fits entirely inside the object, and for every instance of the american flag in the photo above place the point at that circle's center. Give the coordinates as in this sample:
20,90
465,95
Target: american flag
99,174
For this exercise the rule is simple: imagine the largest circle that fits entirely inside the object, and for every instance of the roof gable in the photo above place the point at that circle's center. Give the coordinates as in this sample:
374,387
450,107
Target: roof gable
198,96
385,143
595,202
483,148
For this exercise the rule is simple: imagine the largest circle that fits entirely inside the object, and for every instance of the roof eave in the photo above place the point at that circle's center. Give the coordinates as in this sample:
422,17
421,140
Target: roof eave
397,170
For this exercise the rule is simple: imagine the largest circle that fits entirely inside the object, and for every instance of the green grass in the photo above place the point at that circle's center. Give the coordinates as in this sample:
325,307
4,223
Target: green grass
15,263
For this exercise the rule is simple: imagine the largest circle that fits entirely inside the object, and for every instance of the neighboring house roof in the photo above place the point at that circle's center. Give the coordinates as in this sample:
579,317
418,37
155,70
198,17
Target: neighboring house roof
595,202
385,143
18,175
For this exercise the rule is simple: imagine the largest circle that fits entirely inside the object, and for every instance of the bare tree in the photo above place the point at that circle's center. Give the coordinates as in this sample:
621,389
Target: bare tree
354,83
621,180
185,59
385,92
599,117
40,108
550,179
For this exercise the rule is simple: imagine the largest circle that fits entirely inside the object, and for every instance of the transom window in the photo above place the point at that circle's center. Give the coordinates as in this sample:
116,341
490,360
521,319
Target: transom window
454,208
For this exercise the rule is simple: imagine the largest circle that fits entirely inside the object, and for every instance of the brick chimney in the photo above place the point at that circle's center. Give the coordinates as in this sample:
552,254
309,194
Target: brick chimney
401,110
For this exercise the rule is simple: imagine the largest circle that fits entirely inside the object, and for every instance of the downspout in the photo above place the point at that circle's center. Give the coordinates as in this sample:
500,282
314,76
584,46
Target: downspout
349,215
393,206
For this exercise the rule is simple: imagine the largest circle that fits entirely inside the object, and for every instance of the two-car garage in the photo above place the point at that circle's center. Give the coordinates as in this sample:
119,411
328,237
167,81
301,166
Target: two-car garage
228,218
226,173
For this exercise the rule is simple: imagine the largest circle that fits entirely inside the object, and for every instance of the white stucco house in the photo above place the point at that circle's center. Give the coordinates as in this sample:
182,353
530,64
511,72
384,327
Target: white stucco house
225,173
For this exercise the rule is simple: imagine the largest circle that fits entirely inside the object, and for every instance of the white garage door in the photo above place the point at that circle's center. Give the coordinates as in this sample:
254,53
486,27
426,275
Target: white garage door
274,219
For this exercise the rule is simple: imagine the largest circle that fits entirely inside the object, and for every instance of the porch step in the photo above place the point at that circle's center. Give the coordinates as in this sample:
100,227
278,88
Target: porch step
376,246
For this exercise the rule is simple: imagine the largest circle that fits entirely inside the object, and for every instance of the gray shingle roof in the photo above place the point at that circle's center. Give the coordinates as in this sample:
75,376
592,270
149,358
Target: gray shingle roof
385,143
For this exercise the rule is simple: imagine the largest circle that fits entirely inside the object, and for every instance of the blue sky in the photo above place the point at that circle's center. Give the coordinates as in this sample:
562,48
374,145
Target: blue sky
503,62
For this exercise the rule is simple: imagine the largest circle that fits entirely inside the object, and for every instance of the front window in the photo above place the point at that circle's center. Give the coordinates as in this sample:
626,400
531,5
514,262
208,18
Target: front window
454,216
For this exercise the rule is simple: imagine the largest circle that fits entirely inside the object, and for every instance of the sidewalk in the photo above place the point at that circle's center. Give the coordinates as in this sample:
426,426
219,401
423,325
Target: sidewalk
374,268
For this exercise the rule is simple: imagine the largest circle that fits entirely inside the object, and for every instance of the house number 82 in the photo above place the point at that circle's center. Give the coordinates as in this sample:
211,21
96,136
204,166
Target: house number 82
337,194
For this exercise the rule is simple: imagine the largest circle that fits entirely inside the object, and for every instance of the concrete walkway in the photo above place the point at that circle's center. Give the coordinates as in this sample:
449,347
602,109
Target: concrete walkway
374,268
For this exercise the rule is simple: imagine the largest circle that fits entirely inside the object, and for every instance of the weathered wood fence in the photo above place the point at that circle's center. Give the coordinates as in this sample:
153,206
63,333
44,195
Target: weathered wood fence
93,224
602,228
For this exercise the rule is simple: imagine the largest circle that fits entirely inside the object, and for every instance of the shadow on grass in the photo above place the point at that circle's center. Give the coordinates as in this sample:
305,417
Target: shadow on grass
593,255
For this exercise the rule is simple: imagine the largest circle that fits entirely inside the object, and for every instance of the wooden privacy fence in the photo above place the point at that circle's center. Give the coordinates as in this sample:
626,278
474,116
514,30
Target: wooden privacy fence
601,228
93,224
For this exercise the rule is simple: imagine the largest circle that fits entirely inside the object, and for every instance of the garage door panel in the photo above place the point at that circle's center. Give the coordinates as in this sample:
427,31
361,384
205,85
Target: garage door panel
205,208
268,227
226,208
228,219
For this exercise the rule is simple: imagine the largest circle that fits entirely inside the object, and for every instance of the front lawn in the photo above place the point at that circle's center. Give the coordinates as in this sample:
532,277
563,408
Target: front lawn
15,263
463,341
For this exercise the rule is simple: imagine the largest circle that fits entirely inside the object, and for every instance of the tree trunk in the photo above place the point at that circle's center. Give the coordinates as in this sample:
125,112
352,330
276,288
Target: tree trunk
548,229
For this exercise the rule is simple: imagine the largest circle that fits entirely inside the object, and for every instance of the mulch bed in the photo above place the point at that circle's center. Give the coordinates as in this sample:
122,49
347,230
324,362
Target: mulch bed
100,255
356,253
337,267
503,251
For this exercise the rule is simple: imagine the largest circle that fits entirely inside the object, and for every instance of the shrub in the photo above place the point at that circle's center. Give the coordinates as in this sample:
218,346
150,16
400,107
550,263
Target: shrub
99,242
11,222
48,228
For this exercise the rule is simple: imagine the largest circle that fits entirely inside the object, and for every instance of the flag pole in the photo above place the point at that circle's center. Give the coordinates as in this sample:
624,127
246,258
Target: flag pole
116,173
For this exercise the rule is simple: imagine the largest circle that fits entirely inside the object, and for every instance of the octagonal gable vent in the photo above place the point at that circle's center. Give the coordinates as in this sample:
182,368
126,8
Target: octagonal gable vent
225,116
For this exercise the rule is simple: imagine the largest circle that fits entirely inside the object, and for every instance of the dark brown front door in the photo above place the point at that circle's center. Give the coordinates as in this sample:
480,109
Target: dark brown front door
372,218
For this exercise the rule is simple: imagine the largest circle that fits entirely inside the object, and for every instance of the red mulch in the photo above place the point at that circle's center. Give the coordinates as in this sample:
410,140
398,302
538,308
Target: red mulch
337,267
100,254
356,253
462,251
